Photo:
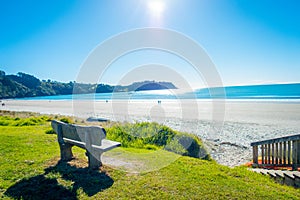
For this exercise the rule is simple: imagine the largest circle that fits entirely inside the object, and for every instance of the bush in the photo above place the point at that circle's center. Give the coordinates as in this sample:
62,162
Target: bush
140,134
147,135
117,133
176,147
190,145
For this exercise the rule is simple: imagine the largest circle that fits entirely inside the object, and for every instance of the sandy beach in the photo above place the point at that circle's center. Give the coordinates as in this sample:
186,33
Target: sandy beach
241,123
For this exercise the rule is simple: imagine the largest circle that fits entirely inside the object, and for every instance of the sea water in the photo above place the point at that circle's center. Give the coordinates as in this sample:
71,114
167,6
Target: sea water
280,92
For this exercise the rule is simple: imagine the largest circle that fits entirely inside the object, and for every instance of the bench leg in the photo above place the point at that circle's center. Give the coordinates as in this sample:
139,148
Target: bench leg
66,152
94,160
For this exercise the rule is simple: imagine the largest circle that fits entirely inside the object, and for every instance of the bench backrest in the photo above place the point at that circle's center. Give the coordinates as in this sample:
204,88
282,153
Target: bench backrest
78,132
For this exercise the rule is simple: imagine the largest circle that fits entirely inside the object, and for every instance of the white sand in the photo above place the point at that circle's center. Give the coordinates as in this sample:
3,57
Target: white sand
244,122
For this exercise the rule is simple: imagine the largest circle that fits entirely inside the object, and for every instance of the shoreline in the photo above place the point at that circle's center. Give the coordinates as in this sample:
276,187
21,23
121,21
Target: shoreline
243,122
239,100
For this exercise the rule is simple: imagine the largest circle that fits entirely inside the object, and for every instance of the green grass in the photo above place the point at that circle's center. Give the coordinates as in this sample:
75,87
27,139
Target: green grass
142,160
142,135
29,169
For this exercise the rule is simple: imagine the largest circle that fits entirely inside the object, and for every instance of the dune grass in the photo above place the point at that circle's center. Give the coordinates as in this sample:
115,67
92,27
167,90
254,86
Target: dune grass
29,169
146,135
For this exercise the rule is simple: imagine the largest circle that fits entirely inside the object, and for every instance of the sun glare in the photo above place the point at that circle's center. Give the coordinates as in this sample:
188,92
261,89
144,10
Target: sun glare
156,7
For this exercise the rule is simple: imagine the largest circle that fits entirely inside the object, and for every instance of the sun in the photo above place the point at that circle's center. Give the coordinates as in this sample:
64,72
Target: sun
156,7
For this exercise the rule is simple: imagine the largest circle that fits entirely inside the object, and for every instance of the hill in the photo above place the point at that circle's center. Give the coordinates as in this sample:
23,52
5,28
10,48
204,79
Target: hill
25,85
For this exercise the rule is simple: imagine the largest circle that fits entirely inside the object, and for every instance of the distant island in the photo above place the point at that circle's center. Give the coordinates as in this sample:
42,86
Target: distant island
26,85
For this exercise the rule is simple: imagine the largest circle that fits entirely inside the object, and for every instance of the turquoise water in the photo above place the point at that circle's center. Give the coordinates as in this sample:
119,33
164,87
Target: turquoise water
258,92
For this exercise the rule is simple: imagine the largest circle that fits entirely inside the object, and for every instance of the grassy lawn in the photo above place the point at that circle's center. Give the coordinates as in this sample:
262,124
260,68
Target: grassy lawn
29,169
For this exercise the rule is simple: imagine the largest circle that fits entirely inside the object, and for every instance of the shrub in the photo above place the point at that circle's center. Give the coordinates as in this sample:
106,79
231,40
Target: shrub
176,147
117,133
191,144
147,135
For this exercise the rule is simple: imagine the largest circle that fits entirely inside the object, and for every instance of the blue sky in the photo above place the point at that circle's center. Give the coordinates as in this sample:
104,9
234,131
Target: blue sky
250,42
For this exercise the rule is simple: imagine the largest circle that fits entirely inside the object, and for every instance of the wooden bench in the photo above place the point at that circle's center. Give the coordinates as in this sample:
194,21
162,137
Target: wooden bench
91,138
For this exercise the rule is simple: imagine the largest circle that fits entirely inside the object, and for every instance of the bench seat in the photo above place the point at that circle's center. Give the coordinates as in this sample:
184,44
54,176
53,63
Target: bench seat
105,146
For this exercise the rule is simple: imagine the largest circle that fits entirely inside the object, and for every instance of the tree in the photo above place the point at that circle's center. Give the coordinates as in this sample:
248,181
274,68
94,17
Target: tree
29,80
2,73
